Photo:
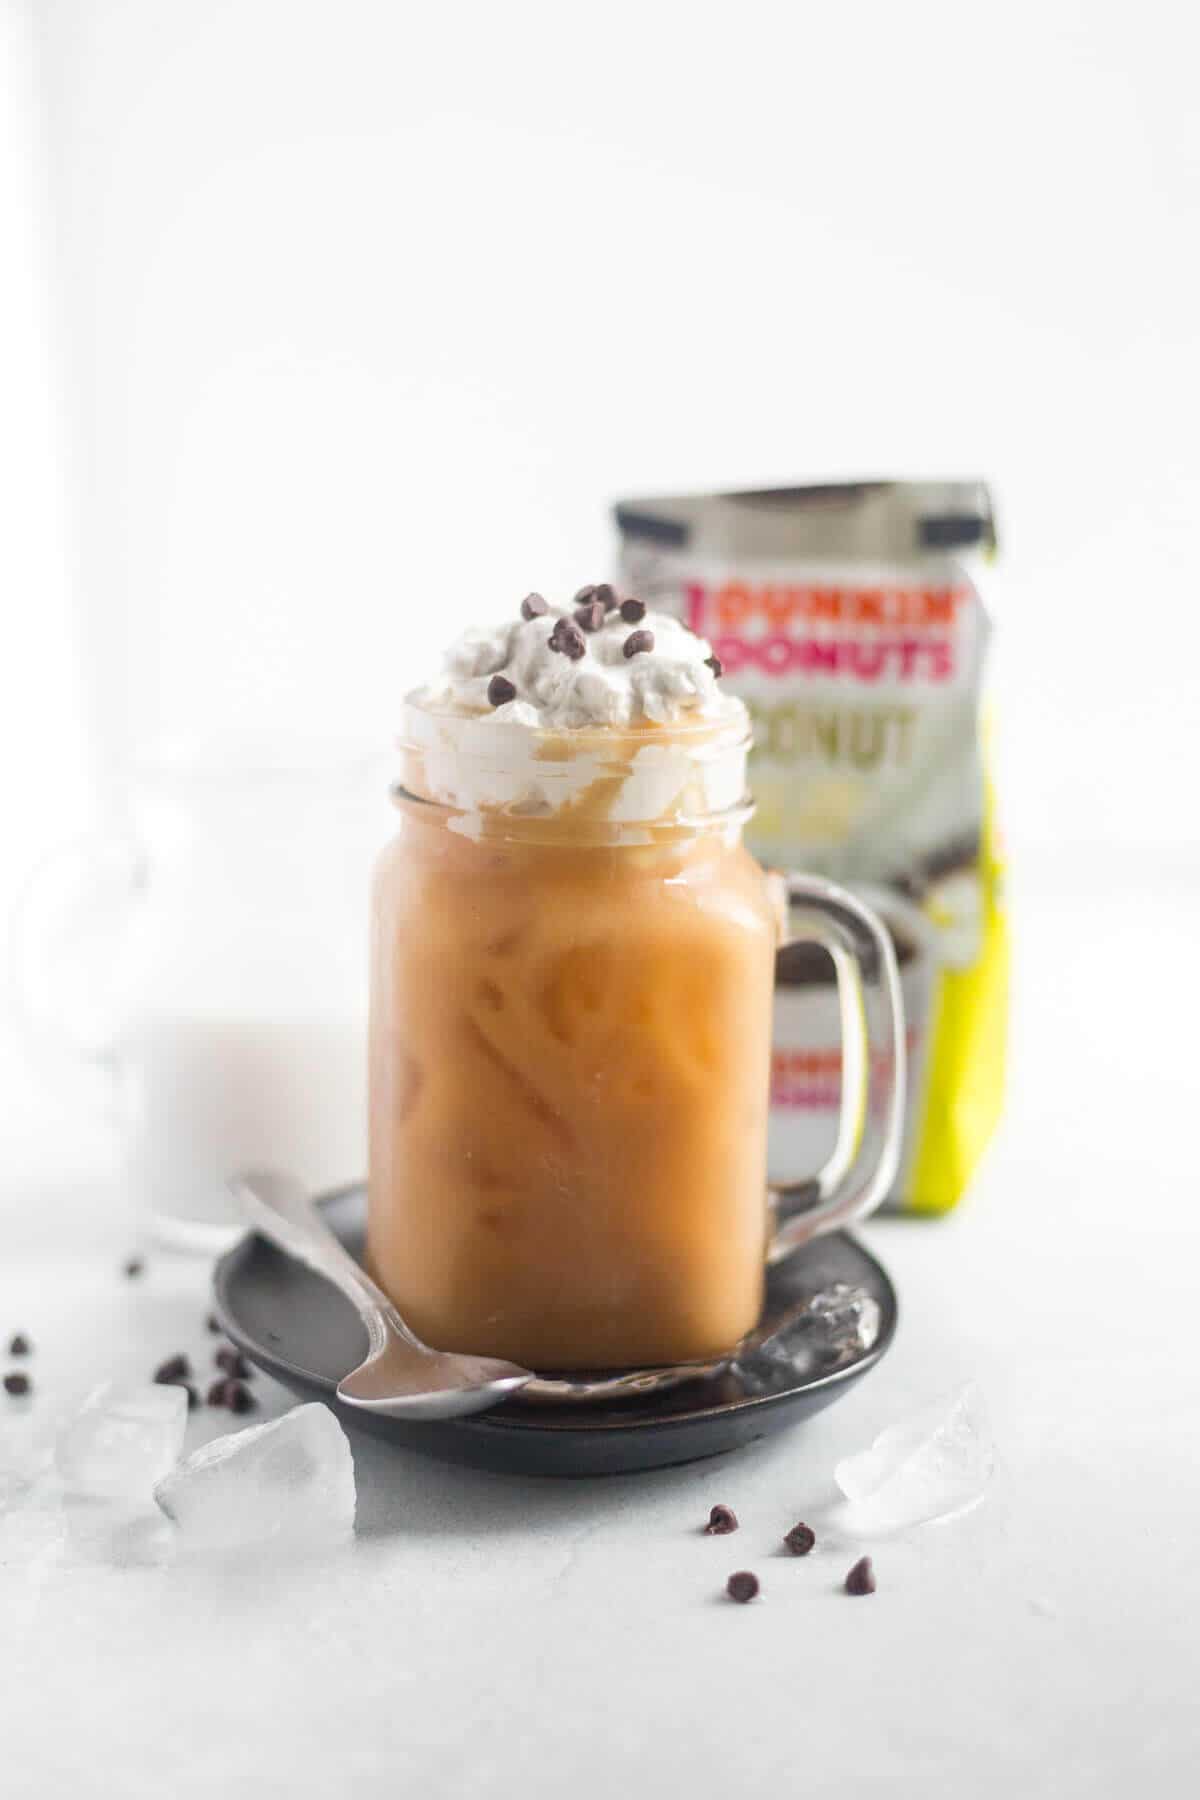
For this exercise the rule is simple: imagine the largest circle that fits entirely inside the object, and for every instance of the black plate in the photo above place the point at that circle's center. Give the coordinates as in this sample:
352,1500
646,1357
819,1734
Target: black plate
301,1330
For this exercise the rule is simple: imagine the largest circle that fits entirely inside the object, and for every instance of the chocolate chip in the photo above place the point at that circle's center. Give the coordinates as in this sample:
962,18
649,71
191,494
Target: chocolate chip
233,1394
800,1539
721,1521
605,596
632,611
716,665
500,690
232,1361
134,1267
17,1382
213,1323
861,1579
20,1345
742,1587
638,641
590,617
567,639
176,1368
585,594
533,607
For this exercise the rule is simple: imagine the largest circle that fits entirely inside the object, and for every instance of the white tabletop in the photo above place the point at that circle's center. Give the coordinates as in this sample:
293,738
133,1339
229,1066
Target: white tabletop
493,1636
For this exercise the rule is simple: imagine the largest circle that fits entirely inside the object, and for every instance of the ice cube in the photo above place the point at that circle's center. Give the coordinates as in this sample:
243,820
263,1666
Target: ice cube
842,1323
826,1330
122,1440
289,1483
930,1466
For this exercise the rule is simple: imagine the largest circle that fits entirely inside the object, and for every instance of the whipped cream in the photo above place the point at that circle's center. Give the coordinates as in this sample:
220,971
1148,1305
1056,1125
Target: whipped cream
669,684
624,741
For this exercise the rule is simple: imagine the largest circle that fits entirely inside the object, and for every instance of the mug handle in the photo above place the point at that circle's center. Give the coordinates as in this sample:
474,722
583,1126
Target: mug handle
866,1157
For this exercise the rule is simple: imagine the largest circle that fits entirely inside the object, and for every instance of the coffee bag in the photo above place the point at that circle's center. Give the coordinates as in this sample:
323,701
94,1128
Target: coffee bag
850,619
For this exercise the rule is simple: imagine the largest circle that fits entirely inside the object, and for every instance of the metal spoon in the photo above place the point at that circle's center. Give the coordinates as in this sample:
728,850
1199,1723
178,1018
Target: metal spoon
401,1376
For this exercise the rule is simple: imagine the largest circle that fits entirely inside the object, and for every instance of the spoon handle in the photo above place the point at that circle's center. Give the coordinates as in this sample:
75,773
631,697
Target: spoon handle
278,1206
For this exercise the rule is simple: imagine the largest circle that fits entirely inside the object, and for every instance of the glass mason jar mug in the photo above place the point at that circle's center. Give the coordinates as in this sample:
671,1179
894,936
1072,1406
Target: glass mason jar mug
572,980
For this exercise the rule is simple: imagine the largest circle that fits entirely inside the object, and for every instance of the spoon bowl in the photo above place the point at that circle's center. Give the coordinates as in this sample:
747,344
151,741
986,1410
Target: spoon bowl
437,1385
400,1376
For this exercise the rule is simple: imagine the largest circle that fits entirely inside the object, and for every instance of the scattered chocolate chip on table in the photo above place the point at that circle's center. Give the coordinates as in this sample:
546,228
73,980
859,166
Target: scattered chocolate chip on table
721,1521
742,1586
861,1578
175,1369
800,1539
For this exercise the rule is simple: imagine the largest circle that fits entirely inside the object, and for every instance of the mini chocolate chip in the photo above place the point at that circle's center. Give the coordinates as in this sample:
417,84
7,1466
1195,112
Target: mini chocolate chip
216,1395
605,596
213,1323
638,641
231,1360
742,1587
176,1368
861,1579
238,1397
800,1539
721,1521
716,665
533,607
585,594
632,611
20,1345
17,1382
567,639
590,617
134,1267
500,691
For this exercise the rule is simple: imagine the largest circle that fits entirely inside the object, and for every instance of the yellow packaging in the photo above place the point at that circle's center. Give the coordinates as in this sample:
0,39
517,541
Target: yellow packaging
850,619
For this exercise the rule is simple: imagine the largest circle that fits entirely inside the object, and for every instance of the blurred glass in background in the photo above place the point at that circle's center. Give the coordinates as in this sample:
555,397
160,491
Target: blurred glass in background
200,978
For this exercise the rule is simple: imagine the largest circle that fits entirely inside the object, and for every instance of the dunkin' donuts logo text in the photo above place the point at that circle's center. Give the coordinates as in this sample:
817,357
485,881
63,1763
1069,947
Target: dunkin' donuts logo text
809,1078
861,633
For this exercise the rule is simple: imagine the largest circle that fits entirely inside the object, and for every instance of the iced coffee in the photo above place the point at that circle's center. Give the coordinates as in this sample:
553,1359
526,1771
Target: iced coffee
572,982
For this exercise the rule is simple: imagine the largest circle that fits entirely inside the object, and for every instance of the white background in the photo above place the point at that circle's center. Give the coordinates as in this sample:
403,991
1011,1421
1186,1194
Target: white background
324,326
367,311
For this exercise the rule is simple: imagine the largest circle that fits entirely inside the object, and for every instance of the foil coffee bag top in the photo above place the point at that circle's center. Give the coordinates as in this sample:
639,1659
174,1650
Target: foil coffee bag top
850,619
